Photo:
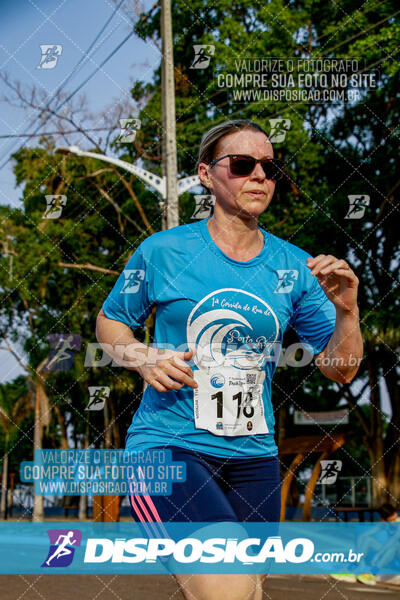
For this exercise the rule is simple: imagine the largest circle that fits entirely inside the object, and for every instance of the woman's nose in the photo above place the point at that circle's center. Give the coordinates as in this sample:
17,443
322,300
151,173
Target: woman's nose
258,172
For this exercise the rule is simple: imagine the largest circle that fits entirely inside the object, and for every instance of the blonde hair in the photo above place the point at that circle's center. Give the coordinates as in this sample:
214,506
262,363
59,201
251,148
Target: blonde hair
211,138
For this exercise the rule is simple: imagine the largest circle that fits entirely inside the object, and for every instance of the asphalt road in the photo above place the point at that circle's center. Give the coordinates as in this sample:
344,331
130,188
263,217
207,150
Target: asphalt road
163,587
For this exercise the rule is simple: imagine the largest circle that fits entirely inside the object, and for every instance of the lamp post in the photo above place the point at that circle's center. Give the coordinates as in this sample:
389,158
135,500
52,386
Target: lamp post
159,184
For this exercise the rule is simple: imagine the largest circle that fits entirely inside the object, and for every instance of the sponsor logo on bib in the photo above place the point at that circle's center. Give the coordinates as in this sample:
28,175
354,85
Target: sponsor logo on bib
217,380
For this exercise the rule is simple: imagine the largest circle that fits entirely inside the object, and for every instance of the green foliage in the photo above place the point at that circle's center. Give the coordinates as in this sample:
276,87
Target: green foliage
16,423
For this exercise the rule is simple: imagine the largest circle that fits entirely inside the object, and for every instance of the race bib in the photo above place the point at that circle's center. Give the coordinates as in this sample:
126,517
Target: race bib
229,401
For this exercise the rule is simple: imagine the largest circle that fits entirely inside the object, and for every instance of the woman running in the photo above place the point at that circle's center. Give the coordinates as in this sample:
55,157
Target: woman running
225,292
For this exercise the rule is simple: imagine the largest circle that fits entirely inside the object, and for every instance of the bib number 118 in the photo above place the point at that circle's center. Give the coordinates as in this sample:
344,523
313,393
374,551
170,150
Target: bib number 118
247,411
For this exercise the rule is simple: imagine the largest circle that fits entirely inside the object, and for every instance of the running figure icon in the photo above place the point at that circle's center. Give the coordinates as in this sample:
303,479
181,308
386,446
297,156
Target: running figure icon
62,549
63,543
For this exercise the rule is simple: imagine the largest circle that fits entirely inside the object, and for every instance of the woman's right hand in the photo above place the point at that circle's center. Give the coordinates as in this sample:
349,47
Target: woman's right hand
159,369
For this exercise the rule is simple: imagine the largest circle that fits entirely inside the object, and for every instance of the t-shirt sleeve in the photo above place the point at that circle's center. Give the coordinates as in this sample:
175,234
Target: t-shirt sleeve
130,299
314,318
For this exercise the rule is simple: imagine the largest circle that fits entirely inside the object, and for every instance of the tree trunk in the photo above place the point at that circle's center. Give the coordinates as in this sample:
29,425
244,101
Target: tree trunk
114,427
4,482
83,500
38,504
63,430
83,505
283,418
107,429
10,502
392,440
379,480
394,482
375,442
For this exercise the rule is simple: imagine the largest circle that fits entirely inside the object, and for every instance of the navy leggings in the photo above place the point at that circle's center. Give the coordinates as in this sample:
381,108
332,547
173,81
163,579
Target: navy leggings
216,489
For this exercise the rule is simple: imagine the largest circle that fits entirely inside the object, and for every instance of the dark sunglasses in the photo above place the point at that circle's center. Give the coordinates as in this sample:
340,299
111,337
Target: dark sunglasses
242,165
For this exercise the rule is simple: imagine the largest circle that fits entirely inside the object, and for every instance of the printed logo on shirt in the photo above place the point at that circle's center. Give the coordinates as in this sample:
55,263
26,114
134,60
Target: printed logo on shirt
232,327
133,279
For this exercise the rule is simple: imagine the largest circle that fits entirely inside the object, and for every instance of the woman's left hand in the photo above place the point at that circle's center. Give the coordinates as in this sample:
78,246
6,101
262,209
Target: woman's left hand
337,279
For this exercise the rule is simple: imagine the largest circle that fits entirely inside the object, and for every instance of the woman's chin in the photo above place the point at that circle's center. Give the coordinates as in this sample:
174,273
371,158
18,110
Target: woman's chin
253,209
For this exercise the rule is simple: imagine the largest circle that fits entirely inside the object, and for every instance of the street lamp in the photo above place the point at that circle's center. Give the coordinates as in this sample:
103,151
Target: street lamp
154,181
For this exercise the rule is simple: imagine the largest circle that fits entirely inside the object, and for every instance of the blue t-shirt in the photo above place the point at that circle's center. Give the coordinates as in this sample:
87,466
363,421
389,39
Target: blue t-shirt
235,313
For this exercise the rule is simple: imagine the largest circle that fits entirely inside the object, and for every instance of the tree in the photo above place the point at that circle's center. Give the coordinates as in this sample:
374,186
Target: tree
15,405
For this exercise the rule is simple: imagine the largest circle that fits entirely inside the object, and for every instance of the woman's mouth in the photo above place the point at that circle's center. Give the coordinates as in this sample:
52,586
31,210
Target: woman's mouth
256,193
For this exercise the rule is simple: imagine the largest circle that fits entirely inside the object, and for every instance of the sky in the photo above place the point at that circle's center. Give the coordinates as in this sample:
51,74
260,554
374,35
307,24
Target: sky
25,25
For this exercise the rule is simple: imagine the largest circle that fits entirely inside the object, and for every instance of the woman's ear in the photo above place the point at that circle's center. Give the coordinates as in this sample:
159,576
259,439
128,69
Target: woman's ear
204,177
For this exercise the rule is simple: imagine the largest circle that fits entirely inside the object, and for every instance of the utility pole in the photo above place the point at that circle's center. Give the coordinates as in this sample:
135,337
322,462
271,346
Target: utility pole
168,117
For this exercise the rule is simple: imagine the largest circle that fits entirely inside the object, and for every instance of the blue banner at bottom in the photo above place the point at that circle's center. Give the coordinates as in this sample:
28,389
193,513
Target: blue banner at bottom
157,548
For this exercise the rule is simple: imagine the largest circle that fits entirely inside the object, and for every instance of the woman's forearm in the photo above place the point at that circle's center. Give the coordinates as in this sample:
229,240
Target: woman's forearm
163,369
118,341
342,356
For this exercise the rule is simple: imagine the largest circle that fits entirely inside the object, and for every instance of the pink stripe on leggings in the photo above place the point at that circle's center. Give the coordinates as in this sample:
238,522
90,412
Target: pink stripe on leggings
146,512
136,509
146,509
152,508
158,529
